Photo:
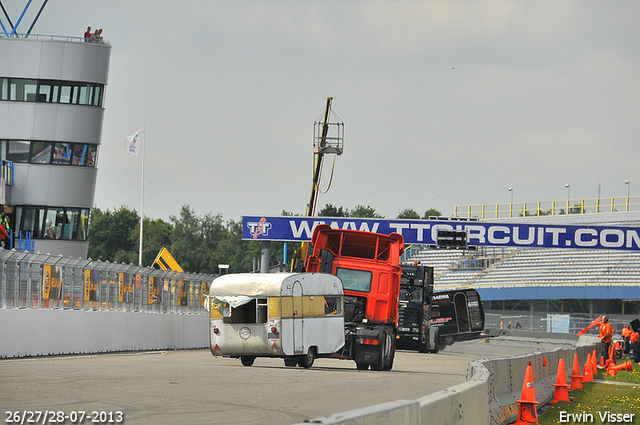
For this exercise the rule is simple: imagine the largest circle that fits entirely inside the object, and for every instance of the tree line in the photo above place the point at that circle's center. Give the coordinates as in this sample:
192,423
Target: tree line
198,243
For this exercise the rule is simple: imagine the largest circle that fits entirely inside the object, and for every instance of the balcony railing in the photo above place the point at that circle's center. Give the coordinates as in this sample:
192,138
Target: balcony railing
548,208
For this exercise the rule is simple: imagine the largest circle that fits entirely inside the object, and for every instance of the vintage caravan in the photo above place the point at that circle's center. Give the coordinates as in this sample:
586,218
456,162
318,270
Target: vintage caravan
297,316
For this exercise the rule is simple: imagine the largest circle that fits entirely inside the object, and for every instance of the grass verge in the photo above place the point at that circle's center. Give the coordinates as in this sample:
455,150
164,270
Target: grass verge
598,401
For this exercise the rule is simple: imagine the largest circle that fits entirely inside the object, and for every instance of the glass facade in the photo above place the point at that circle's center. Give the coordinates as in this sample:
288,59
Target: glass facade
43,152
51,91
42,222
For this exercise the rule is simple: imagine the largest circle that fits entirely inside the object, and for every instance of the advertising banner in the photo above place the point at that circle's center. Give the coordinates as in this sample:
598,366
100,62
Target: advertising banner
424,232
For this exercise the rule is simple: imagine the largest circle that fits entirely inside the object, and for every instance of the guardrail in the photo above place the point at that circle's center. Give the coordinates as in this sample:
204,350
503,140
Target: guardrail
488,397
53,37
547,208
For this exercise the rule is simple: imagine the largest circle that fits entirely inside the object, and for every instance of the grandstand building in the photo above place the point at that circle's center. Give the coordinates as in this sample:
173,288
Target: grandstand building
52,92
534,284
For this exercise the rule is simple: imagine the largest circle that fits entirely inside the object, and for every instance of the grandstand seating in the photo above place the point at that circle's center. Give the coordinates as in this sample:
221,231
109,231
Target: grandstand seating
531,266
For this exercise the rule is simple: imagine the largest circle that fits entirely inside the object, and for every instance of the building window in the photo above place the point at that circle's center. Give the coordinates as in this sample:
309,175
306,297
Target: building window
39,152
18,151
65,94
4,89
51,91
22,90
62,154
54,222
48,91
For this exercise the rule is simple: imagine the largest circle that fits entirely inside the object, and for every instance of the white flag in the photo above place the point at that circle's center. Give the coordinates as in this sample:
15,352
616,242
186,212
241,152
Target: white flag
131,143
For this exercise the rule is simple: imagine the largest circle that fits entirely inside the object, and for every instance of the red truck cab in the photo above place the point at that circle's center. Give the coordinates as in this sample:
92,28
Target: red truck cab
368,265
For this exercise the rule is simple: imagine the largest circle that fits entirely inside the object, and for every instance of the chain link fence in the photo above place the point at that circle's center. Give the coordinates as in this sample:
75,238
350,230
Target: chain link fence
569,323
44,281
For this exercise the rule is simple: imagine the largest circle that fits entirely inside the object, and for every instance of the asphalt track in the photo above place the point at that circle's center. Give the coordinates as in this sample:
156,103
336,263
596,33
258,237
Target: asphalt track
193,387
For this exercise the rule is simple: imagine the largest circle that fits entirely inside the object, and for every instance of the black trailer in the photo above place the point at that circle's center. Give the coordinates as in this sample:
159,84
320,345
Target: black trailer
458,315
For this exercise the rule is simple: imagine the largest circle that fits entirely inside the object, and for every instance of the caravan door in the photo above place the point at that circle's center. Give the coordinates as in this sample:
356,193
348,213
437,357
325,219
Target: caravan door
298,318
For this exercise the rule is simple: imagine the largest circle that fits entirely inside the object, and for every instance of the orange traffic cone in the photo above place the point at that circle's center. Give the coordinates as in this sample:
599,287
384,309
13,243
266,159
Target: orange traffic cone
612,372
576,377
612,354
587,374
561,392
594,364
623,366
527,413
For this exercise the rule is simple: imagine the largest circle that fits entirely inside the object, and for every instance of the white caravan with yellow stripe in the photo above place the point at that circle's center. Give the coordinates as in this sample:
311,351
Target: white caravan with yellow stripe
298,316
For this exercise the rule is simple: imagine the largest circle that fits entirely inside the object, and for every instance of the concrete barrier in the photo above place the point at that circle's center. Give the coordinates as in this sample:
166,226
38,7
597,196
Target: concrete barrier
400,412
35,332
488,397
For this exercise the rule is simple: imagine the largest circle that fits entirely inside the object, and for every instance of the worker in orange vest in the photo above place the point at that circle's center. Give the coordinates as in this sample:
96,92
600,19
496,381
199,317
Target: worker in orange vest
606,336
635,343
626,338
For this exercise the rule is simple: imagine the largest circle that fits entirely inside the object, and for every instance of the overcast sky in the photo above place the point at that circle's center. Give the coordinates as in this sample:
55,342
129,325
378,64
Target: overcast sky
444,103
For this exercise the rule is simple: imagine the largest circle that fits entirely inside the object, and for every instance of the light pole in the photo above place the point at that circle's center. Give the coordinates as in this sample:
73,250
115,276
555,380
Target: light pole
628,192
511,204
628,187
568,195
511,190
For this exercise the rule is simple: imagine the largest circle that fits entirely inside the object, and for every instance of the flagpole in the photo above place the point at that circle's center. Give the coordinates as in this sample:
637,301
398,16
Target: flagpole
142,148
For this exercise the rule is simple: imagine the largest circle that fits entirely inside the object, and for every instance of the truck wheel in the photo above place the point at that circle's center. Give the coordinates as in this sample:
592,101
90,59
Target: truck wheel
307,360
390,354
436,348
384,352
387,367
291,361
247,360
362,366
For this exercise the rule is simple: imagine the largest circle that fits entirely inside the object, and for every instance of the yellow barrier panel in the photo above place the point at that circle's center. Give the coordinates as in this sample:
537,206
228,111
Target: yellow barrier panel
165,261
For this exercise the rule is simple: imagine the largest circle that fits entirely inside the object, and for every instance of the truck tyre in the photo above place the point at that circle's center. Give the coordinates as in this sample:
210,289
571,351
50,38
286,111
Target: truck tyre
307,360
436,348
384,352
392,354
362,366
247,360
433,340
291,361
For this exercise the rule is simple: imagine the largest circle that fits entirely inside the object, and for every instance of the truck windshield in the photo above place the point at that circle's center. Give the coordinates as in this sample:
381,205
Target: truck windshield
355,280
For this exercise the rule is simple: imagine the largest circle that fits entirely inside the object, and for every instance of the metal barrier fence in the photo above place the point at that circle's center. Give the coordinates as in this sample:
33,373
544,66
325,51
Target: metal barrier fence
44,281
552,322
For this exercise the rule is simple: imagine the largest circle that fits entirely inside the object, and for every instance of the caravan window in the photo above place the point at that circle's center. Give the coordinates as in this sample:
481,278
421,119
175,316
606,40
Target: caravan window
255,311
262,311
332,306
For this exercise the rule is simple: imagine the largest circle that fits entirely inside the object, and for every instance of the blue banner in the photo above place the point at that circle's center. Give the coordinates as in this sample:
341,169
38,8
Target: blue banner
424,232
